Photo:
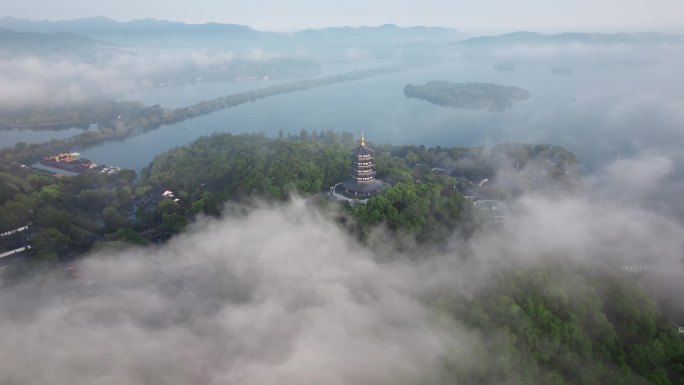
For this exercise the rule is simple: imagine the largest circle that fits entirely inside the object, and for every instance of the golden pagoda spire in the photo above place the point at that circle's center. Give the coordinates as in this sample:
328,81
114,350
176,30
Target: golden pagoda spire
363,140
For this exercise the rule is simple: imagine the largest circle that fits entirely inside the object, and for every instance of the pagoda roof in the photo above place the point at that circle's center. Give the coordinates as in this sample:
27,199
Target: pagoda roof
362,150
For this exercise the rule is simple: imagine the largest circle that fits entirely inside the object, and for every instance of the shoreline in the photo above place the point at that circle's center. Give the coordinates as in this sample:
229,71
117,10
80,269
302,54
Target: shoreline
153,117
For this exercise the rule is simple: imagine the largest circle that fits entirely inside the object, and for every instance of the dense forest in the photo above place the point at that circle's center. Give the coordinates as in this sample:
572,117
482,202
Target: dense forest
535,326
425,202
558,323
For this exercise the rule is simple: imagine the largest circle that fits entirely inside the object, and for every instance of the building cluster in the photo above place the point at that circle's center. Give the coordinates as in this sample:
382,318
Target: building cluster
14,242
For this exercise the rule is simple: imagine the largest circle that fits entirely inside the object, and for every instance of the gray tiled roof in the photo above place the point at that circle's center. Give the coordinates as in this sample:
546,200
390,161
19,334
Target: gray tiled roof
363,187
362,150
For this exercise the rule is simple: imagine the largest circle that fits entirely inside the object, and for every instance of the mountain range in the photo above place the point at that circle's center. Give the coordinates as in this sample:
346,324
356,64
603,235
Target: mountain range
533,38
63,42
111,30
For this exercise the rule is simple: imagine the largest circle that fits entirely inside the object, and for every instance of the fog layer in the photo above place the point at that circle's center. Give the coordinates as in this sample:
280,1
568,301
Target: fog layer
284,295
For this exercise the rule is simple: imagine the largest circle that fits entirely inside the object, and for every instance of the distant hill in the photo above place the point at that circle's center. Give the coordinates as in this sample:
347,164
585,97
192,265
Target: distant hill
153,29
107,29
60,42
387,32
146,30
99,26
533,38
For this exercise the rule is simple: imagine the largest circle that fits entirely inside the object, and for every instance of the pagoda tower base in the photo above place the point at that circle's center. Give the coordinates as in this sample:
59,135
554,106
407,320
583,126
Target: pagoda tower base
361,184
361,190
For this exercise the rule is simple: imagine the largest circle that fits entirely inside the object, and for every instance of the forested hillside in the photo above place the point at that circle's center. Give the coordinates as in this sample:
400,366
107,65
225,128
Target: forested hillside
544,323
558,323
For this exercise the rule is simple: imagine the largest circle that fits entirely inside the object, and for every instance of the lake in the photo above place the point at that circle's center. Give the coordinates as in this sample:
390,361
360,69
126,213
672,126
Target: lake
173,97
598,112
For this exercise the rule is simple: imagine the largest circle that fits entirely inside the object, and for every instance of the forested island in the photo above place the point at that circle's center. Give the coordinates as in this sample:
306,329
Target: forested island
530,319
467,96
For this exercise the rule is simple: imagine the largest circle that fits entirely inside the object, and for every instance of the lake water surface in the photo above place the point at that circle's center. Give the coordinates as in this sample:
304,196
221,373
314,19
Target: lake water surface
581,112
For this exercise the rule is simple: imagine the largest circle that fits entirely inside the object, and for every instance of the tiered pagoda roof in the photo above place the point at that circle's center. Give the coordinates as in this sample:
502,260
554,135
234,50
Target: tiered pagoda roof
362,182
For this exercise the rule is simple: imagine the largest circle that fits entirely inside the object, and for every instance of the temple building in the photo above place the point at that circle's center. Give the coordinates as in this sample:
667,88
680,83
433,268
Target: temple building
362,183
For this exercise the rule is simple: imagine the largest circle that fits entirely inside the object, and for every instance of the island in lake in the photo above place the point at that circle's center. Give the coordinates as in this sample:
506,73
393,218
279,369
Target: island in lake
470,96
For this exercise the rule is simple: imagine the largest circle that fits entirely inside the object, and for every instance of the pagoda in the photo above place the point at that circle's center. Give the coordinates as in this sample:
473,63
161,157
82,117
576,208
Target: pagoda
362,183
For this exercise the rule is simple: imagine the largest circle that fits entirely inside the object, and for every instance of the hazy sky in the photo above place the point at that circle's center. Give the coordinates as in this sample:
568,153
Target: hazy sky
468,16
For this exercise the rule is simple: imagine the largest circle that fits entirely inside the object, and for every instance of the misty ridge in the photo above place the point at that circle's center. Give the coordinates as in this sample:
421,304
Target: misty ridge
98,58
264,280
57,78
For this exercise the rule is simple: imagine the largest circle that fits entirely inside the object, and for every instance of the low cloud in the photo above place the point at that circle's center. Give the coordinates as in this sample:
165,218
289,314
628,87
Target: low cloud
284,295
61,79
356,54
636,179
654,52
546,51
280,296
